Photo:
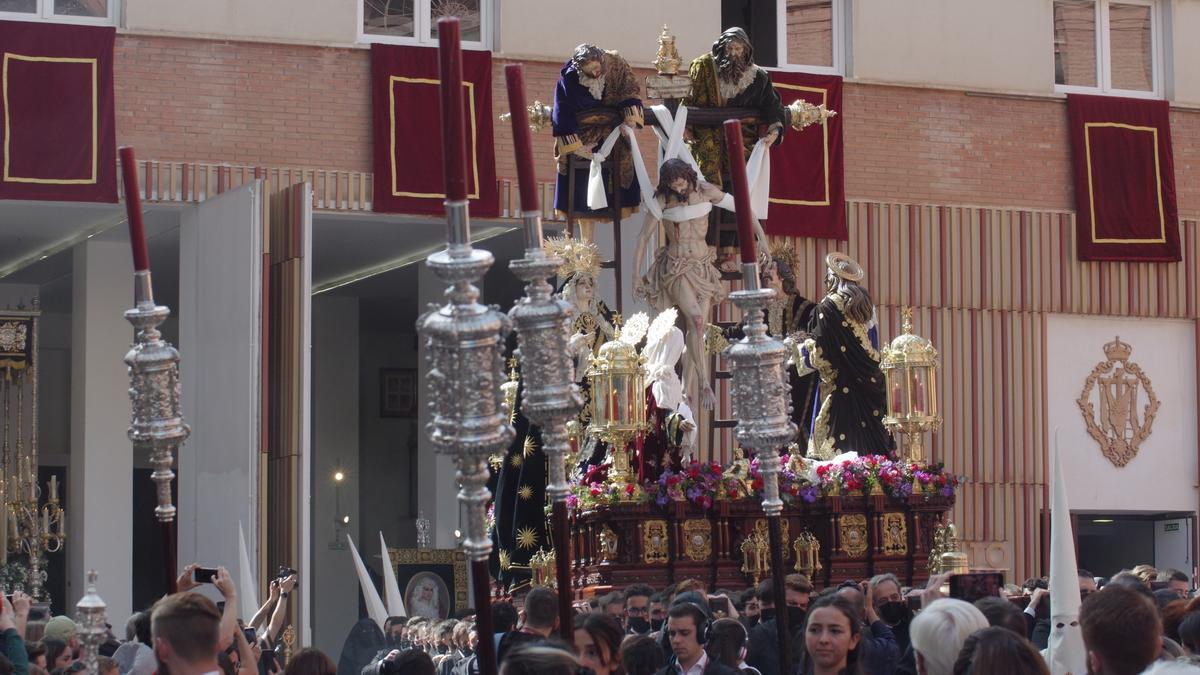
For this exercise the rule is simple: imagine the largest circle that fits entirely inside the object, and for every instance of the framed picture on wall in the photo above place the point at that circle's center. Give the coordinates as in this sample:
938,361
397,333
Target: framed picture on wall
397,392
433,582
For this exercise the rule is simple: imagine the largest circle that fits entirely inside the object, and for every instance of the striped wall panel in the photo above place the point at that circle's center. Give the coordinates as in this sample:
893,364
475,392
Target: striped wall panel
982,281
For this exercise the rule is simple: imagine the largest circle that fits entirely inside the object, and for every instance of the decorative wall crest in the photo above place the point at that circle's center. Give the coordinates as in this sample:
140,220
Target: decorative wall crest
1110,403
895,534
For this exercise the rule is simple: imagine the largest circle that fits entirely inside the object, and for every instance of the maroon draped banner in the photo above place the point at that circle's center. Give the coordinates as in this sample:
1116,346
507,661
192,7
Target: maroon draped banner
408,131
808,192
59,138
1124,179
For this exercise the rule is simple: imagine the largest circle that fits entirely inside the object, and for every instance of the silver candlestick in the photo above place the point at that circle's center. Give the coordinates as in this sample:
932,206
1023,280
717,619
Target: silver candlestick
157,427
464,349
550,397
762,407
761,404
93,629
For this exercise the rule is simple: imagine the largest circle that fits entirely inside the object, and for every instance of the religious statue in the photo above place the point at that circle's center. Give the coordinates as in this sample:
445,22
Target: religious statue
683,274
596,92
842,347
727,77
673,426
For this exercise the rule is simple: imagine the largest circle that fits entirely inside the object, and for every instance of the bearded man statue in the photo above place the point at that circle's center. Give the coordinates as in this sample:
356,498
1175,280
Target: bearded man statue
727,77
596,91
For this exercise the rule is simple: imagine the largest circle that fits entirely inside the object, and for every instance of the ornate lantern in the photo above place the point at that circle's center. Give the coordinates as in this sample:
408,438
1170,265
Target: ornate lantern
618,403
910,364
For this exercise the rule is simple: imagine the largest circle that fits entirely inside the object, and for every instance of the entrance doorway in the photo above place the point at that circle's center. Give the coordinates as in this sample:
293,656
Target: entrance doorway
1109,543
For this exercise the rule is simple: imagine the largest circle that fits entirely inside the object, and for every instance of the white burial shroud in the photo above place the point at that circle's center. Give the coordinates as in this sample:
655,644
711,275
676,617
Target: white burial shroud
671,146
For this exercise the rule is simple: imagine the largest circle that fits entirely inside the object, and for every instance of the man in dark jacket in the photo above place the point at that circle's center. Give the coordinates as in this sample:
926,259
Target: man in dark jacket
762,651
687,630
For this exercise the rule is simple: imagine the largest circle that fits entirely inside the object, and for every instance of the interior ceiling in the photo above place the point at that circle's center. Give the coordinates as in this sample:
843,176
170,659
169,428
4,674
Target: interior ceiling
355,255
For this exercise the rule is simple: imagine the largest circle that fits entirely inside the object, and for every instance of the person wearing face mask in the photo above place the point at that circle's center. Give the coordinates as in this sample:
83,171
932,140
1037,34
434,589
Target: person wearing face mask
763,650
883,591
750,609
637,609
658,613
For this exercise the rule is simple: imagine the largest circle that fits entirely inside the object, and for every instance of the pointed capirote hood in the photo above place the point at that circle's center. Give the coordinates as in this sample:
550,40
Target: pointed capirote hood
1065,654
246,575
395,601
375,608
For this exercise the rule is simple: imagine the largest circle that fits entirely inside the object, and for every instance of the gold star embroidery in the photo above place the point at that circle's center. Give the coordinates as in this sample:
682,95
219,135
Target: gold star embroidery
496,461
505,561
530,446
525,492
516,461
527,538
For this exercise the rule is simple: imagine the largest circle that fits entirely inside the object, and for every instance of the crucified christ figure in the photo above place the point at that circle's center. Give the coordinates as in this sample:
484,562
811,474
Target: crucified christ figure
683,273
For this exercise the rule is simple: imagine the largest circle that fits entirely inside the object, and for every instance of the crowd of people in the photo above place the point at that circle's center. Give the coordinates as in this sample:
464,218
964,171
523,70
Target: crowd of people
1139,621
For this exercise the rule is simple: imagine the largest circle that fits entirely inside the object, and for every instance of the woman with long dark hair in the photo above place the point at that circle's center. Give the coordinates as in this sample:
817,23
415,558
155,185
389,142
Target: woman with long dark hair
598,643
999,651
832,633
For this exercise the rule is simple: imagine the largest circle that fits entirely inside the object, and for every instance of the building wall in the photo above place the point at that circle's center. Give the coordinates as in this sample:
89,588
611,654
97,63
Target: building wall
972,44
297,106
327,21
551,30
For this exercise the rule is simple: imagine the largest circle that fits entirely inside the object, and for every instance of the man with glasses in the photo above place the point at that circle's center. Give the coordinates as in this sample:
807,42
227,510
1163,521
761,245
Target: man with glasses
637,609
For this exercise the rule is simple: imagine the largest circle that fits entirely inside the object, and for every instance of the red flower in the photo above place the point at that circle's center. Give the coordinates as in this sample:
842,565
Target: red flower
822,470
694,471
733,493
595,491
629,489
717,470
757,484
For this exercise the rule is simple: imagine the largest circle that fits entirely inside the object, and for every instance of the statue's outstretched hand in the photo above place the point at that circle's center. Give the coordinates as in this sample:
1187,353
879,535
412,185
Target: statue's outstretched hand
707,398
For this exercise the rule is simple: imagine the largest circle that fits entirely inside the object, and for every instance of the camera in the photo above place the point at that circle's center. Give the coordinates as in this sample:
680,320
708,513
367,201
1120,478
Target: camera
284,572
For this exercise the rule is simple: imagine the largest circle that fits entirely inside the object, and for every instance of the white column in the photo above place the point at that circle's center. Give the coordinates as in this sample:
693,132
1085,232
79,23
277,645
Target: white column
100,472
335,366
437,485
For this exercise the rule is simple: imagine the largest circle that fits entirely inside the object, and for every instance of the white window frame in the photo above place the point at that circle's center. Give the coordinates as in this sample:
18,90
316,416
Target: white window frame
45,14
838,19
423,11
1104,53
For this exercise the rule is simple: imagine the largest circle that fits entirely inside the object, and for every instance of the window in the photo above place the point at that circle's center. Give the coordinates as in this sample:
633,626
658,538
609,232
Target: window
811,35
1109,46
415,21
100,12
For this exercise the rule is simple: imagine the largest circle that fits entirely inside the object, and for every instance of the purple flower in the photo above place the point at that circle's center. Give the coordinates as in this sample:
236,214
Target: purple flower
661,500
808,493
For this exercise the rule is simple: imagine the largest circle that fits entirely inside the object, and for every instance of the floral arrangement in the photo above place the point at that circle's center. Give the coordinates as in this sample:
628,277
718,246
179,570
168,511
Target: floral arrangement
702,484
793,486
594,490
893,478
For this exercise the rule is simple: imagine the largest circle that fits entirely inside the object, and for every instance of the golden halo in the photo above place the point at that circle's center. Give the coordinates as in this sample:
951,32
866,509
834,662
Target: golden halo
844,266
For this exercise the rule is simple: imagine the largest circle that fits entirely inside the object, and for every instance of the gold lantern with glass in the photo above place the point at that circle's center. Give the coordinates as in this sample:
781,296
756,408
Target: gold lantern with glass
910,364
618,404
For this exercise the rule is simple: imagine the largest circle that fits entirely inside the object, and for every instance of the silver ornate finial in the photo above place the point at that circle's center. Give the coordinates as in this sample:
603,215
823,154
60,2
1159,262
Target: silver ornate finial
93,627
422,530
157,427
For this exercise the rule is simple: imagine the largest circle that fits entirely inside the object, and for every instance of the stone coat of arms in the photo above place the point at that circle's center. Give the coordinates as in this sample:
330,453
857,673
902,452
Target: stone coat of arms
1112,404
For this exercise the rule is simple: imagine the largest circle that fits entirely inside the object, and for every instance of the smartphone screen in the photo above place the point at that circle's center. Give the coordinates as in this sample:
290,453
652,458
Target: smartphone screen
973,586
204,575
